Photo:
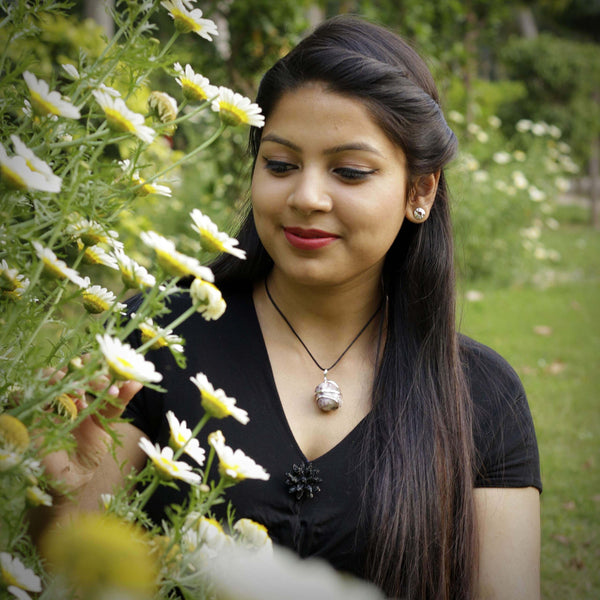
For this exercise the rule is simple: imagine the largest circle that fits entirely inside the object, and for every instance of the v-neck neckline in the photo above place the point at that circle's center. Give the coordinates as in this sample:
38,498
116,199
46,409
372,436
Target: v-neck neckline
277,405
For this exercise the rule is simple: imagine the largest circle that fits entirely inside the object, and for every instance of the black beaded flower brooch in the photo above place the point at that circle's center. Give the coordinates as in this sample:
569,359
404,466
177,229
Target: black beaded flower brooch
303,480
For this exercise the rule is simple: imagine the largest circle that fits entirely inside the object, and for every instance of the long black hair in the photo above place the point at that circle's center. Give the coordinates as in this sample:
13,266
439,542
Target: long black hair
417,453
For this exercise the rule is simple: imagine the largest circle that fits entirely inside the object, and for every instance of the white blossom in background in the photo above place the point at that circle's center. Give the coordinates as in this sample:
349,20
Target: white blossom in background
211,238
194,86
120,118
45,102
18,174
207,298
55,267
166,465
235,109
188,19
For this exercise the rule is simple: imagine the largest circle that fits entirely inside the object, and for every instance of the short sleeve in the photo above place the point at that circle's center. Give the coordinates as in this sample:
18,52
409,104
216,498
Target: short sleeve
506,450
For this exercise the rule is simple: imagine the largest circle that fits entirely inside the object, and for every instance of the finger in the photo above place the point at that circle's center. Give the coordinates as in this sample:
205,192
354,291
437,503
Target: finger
120,394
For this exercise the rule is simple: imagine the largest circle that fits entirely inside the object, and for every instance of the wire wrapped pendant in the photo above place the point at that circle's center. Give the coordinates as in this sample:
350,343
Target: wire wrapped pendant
328,395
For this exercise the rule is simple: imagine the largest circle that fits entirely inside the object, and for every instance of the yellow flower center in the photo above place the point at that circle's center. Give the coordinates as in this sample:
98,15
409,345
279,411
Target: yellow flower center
232,115
94,304
148,334
170,264
65,406
120,368
168,468
41,106
53,269
183,21
97,552
9,579
118,122
210,243
192,91
213,406
13,433
12,179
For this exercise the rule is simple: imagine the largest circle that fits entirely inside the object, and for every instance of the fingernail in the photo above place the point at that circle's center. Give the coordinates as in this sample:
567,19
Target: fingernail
113,390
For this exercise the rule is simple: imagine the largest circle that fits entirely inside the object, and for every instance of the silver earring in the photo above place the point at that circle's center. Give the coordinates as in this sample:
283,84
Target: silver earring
419,213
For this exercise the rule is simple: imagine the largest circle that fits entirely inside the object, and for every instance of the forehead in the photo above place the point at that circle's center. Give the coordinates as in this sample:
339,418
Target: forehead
315,115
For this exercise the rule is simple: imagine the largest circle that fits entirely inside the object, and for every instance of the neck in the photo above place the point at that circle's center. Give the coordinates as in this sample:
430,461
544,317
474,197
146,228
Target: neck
338,307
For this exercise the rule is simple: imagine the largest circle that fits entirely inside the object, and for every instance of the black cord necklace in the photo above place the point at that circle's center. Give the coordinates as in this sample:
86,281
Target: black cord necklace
327,394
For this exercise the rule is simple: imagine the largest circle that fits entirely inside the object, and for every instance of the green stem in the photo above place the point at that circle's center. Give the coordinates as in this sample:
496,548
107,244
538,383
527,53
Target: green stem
170,327
185,158
143,498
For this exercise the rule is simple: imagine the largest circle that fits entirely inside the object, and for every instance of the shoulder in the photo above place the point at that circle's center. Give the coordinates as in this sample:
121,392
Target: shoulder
506,451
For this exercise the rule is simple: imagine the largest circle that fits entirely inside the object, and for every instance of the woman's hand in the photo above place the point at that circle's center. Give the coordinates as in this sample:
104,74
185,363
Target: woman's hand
68,472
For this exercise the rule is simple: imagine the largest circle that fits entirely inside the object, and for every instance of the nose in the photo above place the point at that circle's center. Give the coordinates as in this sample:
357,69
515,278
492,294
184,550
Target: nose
309,194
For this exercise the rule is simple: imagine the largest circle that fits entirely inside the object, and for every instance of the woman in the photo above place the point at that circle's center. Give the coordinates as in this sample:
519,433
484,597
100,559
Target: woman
416,467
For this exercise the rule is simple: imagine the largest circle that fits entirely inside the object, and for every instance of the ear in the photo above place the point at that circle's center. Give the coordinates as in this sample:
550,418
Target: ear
422,196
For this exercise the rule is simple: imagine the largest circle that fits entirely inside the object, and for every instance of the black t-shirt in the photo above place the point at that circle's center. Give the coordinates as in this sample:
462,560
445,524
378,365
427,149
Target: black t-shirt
231,352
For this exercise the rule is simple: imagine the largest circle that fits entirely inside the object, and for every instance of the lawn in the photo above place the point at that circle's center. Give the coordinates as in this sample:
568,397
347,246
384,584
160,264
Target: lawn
551,335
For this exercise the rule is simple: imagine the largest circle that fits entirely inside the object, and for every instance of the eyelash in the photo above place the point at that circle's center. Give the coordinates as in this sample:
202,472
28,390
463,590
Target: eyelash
278,167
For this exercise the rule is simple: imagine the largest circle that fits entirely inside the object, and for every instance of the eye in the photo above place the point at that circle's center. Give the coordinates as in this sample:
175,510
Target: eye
353,174
278,167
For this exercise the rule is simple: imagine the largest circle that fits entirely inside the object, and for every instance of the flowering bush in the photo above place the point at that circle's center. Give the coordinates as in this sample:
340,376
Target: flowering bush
78,150
505,186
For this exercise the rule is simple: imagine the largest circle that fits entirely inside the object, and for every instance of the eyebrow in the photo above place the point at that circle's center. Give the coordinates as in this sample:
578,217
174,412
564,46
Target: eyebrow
360,146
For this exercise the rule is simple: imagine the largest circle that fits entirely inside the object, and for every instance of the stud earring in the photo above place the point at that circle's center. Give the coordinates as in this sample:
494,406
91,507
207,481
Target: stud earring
419,213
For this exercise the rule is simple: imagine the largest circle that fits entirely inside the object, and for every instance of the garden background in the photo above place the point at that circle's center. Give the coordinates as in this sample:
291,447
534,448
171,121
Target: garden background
520,82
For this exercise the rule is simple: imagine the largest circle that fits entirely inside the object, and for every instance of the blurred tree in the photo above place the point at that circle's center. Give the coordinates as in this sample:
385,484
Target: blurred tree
562,78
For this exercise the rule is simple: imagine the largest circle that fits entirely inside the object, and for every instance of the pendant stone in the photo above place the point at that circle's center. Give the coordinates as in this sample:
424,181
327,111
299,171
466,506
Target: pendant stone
328,395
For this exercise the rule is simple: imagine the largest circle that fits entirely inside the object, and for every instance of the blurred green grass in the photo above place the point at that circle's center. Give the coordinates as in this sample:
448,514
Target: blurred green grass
551,335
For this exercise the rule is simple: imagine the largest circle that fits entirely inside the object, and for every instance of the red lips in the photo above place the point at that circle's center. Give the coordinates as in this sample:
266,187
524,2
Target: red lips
308,239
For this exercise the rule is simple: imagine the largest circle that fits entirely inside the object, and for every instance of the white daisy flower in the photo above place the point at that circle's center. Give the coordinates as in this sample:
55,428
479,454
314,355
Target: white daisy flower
146,188
161,337
71,70
519,155
482,137
163,106
494,121
524,125
133,274
235,465
253,535
189,19
125,363
181,437
45,102
536,194
501,157
211,238
56,267
37,497
120,118
96,255
12,283
9,458
208,299
17,174
455,116
539,129
16,575
173,262
519,180
36,164
470,162
215,402
92,233
97,299
166,466
194,86
235,109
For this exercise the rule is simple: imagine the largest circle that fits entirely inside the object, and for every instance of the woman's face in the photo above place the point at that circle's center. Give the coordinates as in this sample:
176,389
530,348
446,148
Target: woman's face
328,189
